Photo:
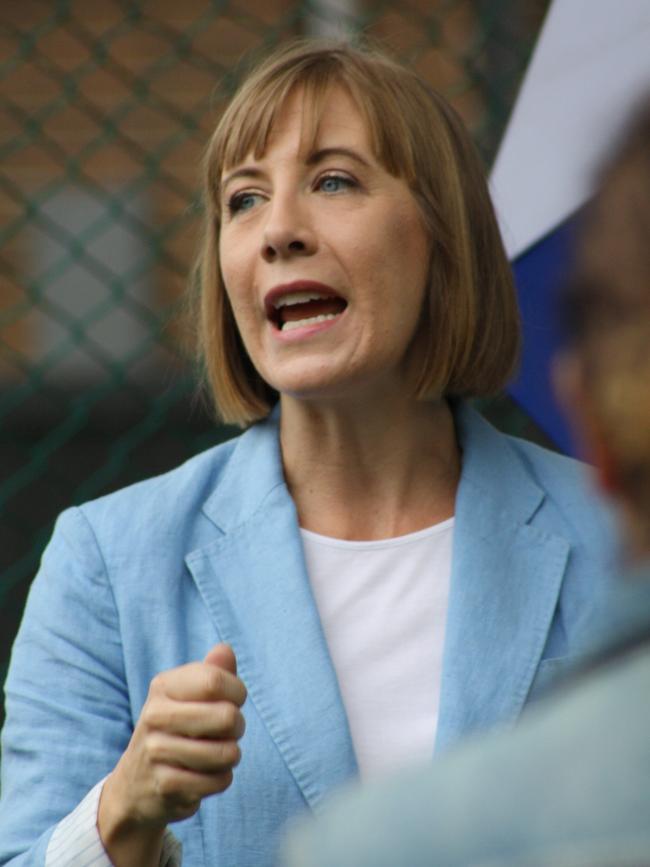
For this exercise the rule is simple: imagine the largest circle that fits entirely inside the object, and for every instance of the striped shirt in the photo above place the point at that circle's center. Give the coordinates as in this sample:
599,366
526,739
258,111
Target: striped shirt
76,841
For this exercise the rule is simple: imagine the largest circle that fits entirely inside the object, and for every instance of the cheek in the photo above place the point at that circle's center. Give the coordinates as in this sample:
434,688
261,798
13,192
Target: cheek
233,274
416,246
226,260
413,238
404,256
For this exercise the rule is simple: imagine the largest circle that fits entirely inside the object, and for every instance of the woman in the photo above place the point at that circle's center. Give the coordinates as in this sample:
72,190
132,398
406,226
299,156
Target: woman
354,290
570,785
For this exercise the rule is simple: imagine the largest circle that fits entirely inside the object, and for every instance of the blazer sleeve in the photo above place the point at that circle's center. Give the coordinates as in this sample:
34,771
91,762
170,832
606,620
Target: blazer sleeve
68,716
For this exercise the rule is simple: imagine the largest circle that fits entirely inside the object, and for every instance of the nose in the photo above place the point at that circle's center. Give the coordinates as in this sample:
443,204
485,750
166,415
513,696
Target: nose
287,232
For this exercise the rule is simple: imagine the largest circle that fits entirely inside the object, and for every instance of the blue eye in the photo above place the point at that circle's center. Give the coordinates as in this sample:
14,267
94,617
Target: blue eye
242,202
335,183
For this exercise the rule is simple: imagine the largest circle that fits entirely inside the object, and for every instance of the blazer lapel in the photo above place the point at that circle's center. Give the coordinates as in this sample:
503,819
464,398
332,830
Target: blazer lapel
505,583
254,582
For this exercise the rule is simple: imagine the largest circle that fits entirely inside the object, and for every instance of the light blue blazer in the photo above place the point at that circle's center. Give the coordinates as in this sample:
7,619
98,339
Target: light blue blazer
568,787
153,576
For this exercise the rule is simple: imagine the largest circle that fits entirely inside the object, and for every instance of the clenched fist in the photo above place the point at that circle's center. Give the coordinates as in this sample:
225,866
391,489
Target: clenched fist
184,747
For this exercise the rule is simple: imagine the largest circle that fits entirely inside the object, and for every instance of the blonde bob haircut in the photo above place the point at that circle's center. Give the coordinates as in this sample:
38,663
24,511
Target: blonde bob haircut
467,341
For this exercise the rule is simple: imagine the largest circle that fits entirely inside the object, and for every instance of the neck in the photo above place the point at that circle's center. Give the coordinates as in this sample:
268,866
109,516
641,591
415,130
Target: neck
371,470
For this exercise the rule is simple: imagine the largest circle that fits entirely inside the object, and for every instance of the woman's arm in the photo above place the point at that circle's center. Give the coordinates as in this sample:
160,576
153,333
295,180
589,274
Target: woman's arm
68,716
69,722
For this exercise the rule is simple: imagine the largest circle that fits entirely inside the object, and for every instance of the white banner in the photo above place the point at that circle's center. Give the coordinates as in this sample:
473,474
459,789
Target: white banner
590,65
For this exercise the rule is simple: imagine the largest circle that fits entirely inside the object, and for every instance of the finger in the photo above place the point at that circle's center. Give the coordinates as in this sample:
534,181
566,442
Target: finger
203,756
223,656
182,790
219,719
199,681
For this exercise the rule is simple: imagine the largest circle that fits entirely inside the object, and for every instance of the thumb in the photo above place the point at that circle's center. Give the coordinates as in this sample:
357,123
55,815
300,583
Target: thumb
222,656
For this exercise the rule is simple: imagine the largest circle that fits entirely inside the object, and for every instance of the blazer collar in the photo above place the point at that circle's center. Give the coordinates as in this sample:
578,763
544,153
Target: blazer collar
254,470
252,473
254,582
505,582
492,467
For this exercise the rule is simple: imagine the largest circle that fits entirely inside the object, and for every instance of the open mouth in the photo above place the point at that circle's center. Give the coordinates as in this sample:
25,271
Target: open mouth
303,308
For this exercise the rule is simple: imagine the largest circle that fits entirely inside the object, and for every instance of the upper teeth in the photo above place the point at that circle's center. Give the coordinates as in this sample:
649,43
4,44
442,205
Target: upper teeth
296,298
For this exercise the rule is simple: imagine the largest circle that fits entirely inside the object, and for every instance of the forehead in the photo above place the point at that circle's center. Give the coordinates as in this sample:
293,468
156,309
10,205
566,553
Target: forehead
336,120
304,121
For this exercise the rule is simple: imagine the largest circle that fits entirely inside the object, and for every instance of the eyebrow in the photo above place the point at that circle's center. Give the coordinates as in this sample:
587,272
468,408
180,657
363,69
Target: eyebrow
322,154
243,172
313,159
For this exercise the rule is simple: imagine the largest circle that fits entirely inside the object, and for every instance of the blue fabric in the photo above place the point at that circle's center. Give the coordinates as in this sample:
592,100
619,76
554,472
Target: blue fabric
153,576
540,275
568,787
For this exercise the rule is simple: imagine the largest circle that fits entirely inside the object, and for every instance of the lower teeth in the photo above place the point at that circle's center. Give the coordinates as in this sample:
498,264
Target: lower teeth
312,320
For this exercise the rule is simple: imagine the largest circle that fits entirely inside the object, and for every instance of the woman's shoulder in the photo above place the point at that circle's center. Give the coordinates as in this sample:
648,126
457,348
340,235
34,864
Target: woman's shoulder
161,512
571,498
552,468
180,510
177,488
489,450
556,492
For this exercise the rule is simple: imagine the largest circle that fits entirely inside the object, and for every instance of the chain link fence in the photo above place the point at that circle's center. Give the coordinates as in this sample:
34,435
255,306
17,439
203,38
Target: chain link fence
105,107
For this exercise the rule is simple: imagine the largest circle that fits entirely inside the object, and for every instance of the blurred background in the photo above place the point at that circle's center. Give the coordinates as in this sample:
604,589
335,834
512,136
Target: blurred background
105,108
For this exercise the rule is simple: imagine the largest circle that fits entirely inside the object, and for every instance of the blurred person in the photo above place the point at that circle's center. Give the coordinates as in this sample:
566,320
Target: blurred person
570,786
370,569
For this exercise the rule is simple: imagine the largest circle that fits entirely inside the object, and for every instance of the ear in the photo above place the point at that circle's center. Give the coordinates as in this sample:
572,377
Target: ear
569,383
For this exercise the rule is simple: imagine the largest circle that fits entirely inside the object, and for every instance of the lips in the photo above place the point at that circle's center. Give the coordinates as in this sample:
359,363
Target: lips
302,303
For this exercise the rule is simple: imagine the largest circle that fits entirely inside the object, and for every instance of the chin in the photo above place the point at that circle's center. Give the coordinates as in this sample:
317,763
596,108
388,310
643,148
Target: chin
305,381
311,392
322,380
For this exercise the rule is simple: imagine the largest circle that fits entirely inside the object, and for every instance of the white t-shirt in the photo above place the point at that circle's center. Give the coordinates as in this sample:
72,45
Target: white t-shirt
383,606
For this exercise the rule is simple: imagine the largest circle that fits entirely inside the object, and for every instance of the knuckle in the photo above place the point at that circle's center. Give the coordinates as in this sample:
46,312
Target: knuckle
176,803
213,680
188,800
186,810
157,685
223,780
150,716
154,749
173,718
167,786
236,755
229,714
228,753
241,725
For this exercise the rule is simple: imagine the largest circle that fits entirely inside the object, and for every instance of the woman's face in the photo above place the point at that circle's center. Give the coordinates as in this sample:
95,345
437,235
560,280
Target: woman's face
324,256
